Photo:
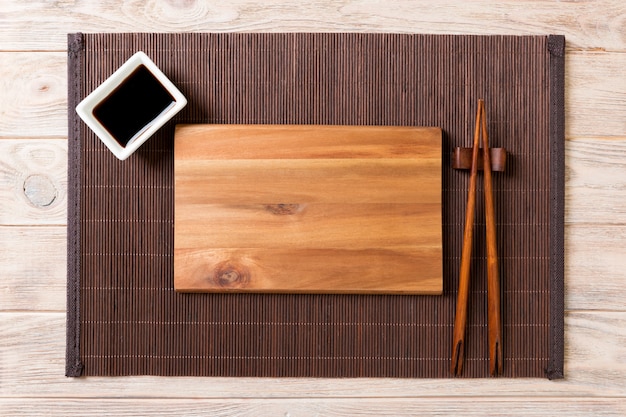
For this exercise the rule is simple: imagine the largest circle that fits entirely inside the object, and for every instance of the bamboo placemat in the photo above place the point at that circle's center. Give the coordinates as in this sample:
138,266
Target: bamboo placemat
124,317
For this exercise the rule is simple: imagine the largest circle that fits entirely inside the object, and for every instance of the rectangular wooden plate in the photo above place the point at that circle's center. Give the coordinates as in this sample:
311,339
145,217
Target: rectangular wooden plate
307,209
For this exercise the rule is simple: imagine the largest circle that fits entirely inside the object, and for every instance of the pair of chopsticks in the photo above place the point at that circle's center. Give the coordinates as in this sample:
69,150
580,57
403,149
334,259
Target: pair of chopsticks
493,279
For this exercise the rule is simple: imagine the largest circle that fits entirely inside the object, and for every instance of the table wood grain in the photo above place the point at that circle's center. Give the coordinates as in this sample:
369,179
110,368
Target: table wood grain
33,210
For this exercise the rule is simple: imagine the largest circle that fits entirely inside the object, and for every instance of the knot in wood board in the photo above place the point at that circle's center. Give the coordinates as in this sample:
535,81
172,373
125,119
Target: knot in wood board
283,209
40,190
229,274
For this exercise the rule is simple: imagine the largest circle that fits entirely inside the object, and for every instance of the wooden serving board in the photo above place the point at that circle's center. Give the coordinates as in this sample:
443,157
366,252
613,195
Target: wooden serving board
307,208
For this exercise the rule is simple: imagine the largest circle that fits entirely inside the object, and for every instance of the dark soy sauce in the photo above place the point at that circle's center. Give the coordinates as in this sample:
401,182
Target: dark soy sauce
133,105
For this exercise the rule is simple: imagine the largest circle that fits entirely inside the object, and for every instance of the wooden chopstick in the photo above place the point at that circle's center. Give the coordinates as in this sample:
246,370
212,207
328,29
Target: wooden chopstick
458,349
493,276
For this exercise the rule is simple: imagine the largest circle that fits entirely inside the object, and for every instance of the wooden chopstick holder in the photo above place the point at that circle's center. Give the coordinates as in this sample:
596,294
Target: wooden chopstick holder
462,159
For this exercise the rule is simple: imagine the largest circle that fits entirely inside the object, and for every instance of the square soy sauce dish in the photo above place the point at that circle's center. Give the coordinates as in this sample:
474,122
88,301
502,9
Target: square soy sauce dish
131,105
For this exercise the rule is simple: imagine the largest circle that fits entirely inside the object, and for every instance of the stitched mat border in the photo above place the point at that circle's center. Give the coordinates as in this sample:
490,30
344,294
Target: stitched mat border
124,317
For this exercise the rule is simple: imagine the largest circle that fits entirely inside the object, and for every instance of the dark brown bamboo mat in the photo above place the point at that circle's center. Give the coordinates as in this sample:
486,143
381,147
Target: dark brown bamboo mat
124,317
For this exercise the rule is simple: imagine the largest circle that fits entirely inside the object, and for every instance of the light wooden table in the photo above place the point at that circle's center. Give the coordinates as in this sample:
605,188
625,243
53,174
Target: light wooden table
33,201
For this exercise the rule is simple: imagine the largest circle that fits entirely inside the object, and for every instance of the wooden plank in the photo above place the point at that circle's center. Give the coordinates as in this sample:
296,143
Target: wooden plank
290,270
34,89
34,95
595,189
532,406
594,267
32,366
595,94
364,219
298,181
312,142
33,265
586,24
320,223
37,283
33,182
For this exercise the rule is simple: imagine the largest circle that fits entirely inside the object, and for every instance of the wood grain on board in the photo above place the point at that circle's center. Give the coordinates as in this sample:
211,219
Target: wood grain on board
323,209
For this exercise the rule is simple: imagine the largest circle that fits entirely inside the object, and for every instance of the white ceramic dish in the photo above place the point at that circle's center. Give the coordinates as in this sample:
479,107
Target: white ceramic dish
112,86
